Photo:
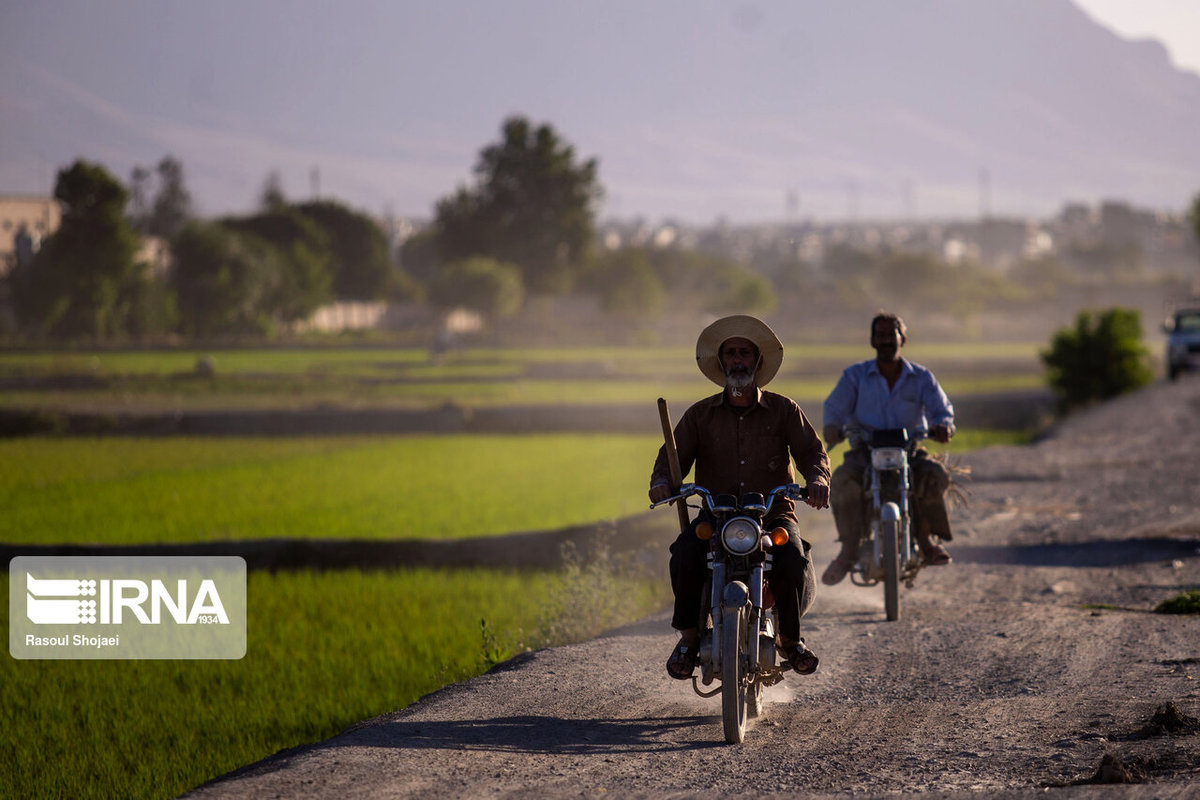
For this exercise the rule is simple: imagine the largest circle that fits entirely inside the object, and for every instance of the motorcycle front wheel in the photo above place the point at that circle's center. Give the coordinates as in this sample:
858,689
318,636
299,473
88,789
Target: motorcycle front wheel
733,674
890,535
754,699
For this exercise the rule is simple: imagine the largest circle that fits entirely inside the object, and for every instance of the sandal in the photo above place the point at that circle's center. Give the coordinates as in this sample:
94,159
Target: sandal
682,662
837,570
935,555
799,657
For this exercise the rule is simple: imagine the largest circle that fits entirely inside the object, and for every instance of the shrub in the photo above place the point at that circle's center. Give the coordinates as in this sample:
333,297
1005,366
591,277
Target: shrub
1101,357
491,287
1186,603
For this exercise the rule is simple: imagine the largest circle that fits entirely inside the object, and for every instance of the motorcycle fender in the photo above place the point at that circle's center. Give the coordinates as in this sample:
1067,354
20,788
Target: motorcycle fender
736,595
890,512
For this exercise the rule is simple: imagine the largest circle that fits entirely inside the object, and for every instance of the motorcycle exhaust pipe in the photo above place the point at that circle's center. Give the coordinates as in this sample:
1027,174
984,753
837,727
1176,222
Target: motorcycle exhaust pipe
766,652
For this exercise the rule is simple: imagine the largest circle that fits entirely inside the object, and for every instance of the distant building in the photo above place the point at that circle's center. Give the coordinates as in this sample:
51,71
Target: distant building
1121,225
26,219
1004,242
155,252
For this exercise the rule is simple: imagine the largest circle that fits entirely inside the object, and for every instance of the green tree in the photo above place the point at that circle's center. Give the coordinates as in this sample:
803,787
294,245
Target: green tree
223,280
480,284
532,206
359,261
741,290
83,281
843,262
1105,259
418,256
141,189
160,204
712,283
626,283
1044,277
305,276
1101,357
270,197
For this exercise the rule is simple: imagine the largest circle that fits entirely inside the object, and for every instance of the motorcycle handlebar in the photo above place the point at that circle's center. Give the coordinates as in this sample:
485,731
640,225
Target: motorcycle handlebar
865,435
793,490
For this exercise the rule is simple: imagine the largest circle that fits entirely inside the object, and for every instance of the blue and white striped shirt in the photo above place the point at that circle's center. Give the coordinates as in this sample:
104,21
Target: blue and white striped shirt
863,400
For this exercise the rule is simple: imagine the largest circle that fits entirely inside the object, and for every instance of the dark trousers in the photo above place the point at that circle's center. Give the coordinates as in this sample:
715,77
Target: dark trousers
927,505
793,579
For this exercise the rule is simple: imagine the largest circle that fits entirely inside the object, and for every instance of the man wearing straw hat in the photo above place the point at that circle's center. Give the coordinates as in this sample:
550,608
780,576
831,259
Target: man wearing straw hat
744,439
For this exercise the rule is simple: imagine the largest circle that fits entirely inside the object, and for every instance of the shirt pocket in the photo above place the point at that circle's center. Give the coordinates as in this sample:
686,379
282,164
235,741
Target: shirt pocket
770,453
906,406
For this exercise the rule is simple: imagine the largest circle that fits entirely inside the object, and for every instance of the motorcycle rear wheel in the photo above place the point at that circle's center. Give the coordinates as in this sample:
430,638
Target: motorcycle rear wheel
733,675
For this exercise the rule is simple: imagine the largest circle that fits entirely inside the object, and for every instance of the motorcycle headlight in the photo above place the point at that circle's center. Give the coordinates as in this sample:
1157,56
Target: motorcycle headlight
887,458
740,535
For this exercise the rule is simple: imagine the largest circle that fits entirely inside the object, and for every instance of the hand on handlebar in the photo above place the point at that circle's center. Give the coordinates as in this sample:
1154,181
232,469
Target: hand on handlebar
660,493
941,433
818,495
833,434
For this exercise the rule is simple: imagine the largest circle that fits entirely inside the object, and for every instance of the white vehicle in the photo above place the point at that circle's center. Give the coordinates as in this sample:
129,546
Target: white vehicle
1183,341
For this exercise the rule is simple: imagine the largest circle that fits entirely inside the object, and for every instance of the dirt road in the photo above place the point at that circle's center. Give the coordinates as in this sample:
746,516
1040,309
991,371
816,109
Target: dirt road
1030,666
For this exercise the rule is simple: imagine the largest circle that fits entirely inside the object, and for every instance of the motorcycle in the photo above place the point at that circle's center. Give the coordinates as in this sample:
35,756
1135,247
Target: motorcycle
889,553
738,621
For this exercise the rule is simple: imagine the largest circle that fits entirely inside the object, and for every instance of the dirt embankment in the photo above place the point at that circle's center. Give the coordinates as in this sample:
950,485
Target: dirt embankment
1015,410
1032,665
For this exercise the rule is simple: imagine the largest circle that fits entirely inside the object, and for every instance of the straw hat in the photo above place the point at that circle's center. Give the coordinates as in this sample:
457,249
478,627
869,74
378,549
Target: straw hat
708,347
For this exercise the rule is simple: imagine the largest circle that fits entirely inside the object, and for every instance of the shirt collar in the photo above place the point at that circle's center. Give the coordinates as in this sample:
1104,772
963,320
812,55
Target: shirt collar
719,398
873,367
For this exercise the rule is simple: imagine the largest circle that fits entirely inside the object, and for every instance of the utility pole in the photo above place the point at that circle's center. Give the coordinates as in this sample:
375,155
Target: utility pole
791,204
985,193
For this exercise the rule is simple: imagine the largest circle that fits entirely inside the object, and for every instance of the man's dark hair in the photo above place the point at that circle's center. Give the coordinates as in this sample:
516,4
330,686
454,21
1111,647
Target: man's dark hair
887,316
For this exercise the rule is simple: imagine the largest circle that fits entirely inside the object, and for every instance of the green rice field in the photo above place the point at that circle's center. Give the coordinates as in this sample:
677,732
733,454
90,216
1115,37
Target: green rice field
123,490
411,378
327,649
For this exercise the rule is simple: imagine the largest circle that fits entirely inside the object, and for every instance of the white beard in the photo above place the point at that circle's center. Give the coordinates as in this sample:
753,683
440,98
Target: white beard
738,382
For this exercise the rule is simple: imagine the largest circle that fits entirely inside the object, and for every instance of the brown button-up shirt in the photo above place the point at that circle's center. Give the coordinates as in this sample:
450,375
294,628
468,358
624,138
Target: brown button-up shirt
740,450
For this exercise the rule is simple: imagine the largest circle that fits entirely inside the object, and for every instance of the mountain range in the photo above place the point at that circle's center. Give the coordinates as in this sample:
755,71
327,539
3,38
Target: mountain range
695,109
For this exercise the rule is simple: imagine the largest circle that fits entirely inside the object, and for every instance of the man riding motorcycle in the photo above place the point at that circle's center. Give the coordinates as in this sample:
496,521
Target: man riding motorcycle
887,392
744,440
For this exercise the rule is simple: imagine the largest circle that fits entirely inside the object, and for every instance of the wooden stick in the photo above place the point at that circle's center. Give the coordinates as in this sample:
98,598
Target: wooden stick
664,416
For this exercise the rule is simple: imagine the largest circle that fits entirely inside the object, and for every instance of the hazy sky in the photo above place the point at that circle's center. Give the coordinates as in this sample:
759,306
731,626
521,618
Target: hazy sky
364,100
